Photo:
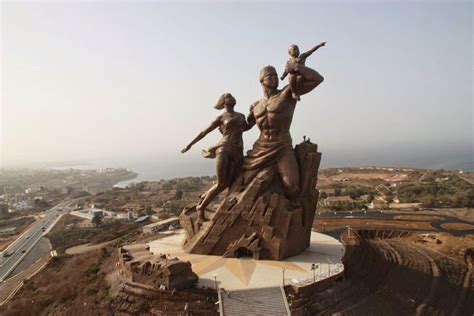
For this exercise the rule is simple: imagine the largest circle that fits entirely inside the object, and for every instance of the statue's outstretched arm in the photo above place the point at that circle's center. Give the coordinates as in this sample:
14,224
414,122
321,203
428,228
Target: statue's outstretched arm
311,79
312,50
202,134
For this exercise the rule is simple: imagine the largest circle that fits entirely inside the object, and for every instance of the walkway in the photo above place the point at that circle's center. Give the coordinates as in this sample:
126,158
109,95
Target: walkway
262,301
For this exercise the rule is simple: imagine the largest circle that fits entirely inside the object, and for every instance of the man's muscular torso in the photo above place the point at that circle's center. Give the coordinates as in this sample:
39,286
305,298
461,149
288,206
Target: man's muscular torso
273,115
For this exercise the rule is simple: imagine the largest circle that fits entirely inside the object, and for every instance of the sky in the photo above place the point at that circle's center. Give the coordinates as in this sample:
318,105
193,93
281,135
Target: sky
122,81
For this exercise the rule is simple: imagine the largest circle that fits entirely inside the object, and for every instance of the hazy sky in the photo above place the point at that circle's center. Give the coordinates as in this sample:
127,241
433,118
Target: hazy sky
110,80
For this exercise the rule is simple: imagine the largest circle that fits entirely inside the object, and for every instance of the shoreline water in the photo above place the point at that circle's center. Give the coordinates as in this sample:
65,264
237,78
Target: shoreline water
156,168
155,177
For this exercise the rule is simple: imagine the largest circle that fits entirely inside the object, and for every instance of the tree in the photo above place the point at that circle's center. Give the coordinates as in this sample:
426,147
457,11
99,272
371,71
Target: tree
470,197
178,195
149,210
461,199
167,186
97,221
428,200
389,197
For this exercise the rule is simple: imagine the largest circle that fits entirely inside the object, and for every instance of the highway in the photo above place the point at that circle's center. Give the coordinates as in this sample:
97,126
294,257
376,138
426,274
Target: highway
16,251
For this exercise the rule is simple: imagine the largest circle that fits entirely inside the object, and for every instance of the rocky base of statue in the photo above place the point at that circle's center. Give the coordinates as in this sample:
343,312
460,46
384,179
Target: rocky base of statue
257,219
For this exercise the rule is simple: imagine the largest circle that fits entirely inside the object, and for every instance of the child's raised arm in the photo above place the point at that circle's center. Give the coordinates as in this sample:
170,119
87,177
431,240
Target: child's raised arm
312,50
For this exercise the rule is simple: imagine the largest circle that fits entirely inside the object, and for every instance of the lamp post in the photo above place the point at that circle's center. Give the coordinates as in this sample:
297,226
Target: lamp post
283,276
215,282
314,267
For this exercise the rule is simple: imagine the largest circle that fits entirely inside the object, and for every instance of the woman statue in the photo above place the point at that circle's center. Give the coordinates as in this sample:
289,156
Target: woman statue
228,152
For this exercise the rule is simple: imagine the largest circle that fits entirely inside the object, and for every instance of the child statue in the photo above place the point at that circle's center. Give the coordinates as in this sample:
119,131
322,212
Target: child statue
297,58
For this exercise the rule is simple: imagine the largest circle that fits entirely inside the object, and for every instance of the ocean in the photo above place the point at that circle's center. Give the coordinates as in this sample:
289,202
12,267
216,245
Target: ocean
156,167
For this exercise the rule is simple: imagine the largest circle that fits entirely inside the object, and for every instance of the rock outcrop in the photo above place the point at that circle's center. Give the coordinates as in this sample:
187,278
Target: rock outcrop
257,219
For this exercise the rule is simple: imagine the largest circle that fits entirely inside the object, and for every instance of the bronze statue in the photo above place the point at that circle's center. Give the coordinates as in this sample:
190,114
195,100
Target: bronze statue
296,57
228,152
273,115
268,211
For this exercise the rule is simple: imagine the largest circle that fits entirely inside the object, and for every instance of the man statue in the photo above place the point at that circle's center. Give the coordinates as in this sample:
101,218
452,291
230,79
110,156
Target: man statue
273,115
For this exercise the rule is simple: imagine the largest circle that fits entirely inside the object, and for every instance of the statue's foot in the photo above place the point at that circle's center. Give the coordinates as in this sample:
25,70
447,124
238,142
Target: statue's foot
201,217
295,96
201,221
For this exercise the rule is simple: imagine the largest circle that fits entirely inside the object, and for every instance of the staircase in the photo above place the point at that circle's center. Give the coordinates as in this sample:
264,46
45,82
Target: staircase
260,301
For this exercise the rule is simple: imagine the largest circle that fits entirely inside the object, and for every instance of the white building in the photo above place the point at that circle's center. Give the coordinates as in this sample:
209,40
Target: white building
109,213
125,215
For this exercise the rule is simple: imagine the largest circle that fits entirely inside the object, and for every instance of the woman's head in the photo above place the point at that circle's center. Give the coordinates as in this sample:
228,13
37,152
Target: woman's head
225,101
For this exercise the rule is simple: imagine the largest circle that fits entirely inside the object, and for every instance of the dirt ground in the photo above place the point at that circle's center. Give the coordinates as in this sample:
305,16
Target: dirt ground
69,233
87,248
466,214
88,284
457,226
401,266
68,285
393,272
454,247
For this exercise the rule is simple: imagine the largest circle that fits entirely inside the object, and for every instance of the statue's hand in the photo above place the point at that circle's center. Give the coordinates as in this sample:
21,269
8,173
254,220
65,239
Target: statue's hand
185,149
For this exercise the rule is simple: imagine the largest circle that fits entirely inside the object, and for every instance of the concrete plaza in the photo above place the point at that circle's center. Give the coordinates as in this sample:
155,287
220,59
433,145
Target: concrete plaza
245,273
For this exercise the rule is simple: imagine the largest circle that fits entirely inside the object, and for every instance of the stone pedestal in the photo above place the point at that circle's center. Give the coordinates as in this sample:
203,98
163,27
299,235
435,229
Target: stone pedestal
257,219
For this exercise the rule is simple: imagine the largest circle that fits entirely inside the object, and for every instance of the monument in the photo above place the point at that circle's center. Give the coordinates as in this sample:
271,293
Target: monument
268,210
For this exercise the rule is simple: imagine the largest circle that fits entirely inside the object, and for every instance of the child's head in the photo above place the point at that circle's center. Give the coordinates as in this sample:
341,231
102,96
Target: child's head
293,50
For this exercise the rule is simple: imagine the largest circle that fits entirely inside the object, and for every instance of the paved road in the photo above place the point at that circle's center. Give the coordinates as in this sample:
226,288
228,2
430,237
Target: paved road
381,215
14,254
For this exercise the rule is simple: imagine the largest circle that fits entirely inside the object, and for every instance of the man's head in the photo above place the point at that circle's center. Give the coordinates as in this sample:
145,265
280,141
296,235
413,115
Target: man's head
269,77
293,50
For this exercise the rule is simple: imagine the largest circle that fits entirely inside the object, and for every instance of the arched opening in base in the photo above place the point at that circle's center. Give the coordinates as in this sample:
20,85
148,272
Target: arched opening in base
243,252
